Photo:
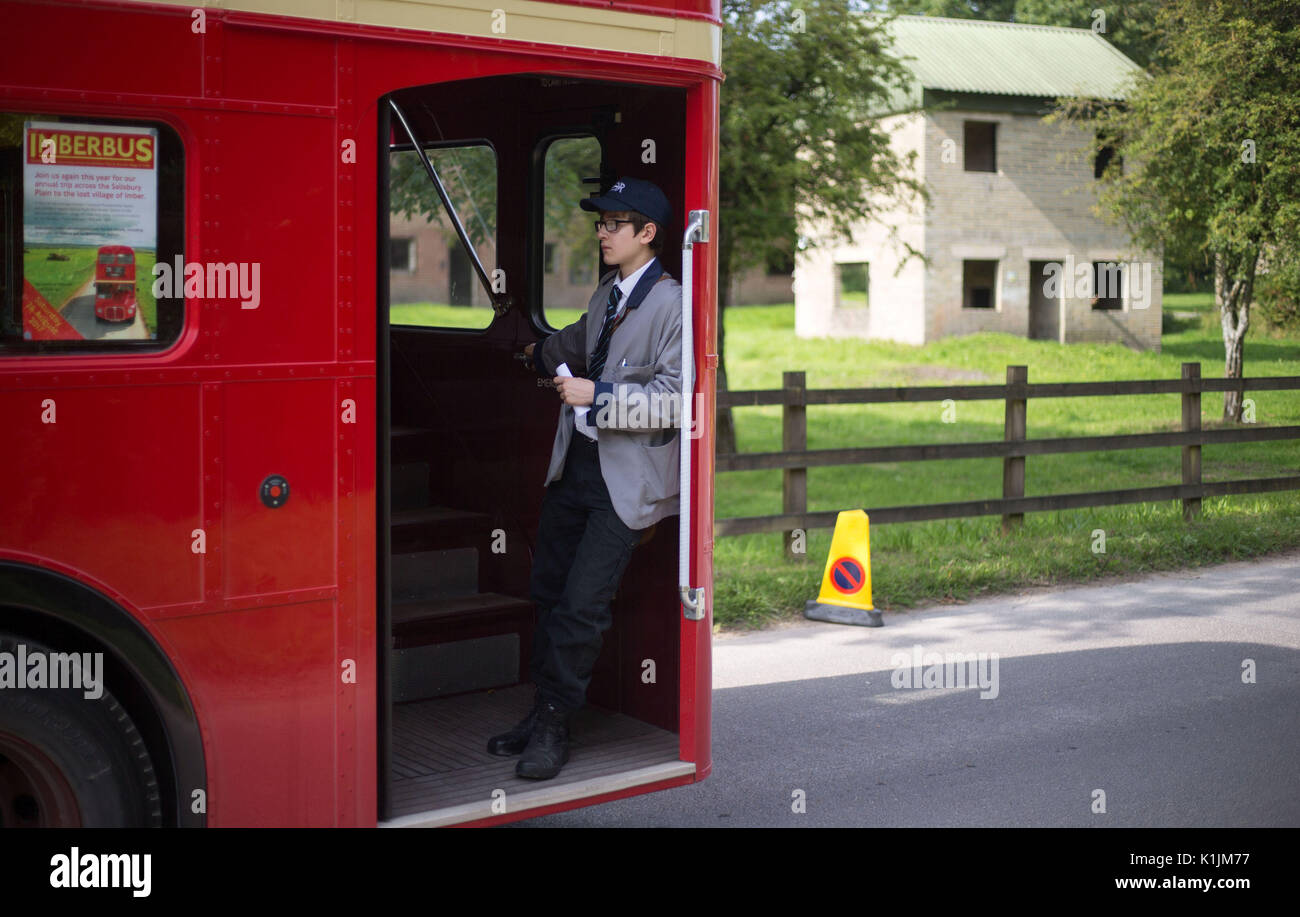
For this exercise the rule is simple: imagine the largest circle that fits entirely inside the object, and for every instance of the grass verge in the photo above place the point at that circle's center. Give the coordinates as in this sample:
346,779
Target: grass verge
956,560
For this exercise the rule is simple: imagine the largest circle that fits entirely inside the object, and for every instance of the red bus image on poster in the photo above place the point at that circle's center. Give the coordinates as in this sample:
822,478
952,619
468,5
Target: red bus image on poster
115,299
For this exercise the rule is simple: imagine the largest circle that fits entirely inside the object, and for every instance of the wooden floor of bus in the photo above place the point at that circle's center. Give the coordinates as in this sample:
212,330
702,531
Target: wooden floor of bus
440,756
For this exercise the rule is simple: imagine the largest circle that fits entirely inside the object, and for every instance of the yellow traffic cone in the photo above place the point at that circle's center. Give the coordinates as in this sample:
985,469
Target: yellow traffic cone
845,597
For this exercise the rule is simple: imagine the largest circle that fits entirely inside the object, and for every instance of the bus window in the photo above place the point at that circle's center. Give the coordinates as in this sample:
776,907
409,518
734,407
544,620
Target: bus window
431,277
571,261
87,208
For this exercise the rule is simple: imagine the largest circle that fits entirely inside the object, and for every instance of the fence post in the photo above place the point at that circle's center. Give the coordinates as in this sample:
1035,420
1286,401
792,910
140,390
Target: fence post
794,438
1013,466
1191,454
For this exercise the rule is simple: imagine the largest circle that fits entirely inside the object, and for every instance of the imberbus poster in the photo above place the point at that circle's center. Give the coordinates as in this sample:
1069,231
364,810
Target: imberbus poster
90,231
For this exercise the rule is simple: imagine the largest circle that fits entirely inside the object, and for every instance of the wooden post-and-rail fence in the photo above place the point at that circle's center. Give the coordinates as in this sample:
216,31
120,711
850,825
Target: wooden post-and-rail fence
796,458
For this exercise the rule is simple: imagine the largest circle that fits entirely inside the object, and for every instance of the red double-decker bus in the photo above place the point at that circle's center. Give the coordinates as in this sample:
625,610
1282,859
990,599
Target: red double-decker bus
115,299
264,553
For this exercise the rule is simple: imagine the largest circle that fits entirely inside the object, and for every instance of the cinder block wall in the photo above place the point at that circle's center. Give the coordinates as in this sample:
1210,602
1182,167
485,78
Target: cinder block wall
895,308
1036,206
1135,326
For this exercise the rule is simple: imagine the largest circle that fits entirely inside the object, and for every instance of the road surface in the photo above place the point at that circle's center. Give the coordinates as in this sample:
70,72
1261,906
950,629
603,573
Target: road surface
80,313
1139,690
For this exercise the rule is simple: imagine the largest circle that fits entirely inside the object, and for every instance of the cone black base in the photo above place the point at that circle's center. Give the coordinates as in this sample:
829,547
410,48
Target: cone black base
842,614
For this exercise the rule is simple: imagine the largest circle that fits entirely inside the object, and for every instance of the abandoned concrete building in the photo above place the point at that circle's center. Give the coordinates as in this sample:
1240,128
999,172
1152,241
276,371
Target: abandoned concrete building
1009,233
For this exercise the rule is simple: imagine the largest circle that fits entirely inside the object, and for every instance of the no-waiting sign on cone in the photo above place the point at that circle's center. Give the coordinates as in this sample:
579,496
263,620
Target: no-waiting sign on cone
845,597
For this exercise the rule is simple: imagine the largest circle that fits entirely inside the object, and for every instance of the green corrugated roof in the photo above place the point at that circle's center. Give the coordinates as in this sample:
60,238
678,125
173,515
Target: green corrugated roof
1008,58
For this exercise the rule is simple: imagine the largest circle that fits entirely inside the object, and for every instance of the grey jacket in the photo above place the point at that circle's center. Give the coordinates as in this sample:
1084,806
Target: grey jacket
637,408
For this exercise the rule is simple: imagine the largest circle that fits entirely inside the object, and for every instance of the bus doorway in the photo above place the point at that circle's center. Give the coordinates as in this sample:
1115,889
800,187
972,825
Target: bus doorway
483,250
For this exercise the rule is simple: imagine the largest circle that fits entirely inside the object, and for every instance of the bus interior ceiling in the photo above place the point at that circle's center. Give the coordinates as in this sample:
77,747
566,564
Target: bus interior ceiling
471,438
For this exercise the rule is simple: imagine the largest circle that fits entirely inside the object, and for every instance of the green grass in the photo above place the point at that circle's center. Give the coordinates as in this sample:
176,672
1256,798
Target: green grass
1189,302
58,280
145,300
441,315
916,563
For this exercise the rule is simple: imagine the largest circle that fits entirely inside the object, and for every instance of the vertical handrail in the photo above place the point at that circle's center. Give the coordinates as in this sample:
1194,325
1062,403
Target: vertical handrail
697,230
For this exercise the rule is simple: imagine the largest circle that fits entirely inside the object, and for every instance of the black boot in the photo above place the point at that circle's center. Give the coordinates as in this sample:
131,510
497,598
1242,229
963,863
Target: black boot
548,748
514,741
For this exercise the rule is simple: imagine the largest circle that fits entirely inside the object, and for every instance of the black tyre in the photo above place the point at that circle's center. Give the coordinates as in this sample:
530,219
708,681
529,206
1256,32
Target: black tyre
67,760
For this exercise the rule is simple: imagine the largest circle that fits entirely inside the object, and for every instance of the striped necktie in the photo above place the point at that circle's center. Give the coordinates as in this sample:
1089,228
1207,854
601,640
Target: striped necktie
597,362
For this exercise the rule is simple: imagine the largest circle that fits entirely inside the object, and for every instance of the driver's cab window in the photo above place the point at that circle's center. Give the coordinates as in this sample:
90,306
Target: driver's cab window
571,254
432,279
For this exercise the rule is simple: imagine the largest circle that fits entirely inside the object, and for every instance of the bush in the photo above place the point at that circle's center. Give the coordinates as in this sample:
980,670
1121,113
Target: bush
1277,296
1182,279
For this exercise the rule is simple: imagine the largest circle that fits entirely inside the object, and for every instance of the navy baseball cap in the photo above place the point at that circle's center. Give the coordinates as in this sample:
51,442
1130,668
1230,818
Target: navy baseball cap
633,194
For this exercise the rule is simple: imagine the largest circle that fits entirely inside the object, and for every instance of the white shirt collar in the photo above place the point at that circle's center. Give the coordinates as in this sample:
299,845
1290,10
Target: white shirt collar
628,283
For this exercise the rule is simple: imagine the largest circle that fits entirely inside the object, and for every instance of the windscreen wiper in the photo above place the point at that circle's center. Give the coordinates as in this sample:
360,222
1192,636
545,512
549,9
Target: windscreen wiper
500,301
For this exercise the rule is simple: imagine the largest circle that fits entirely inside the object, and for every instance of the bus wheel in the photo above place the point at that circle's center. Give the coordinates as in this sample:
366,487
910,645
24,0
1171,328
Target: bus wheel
70,761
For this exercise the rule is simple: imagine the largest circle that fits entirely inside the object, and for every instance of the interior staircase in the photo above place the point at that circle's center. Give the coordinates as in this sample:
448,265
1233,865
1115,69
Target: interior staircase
449,636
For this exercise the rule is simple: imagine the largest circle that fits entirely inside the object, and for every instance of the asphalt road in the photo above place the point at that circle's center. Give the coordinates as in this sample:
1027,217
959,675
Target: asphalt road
1135,689
80,313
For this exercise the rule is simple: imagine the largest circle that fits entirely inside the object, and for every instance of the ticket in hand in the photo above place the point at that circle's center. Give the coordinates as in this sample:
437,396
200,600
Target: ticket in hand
563,370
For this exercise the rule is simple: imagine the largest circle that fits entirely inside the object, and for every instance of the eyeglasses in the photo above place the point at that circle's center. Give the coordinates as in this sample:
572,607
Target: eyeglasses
610,226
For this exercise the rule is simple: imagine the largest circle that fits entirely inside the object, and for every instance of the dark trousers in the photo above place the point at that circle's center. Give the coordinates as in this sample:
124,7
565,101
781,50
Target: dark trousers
583,547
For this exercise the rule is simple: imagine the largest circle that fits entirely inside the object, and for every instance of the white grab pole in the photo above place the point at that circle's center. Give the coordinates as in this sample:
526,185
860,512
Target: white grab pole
697,230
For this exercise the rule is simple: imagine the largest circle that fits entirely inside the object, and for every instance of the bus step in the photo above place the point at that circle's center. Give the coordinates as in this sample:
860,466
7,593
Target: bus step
433,527
430,575
410,485
440,669
410,444
459,618
457,644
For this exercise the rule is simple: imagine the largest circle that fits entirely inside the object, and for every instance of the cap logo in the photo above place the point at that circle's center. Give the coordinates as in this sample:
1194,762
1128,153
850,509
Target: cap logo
618,186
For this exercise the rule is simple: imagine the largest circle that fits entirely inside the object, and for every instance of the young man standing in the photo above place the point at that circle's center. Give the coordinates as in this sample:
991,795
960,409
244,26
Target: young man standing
614,465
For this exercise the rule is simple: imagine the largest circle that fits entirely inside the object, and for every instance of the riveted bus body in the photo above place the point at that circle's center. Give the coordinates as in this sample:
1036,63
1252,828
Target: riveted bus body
276,460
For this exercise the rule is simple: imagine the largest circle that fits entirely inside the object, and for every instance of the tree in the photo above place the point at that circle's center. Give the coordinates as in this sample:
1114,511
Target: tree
1211,145
796,134
469,174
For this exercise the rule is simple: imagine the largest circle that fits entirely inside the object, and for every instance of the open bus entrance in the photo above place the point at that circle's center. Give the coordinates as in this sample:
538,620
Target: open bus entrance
466,434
